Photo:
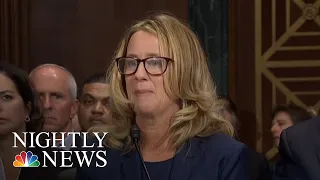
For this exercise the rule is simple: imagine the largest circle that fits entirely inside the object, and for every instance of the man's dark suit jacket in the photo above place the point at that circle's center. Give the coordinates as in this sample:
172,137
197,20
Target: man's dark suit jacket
50,172
218,157
300,150
42,173
258,166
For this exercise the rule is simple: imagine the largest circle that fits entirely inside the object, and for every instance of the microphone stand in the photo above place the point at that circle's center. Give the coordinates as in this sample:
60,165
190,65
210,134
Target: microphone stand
135,134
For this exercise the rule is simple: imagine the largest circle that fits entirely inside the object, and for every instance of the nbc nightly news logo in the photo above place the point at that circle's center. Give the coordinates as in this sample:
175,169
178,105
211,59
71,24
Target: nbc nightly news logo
26,159
83,158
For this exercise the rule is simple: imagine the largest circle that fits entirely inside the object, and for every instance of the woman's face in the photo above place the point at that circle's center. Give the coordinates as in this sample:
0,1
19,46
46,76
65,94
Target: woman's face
13,111
145,91
281,121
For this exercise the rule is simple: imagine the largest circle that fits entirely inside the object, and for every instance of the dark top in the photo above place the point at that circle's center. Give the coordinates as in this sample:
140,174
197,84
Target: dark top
158,170
50,172
218,157
300,150
258,166
42,173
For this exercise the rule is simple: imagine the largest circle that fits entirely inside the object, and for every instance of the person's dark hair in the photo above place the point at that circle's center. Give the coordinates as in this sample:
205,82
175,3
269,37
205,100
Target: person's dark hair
296,113
96,78
229,105
27,93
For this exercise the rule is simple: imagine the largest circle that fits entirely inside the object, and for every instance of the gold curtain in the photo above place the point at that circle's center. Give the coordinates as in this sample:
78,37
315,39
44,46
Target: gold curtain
14,32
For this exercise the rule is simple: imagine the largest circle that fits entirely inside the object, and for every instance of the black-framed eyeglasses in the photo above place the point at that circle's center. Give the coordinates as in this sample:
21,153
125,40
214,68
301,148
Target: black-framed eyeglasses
153,65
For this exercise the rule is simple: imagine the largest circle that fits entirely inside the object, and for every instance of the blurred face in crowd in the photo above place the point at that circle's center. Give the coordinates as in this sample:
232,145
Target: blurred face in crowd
281,121
227,115
146,91
94,105
232,118
13,111
54,88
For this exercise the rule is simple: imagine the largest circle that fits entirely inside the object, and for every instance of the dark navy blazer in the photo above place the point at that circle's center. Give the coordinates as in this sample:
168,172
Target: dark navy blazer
218,157
300,151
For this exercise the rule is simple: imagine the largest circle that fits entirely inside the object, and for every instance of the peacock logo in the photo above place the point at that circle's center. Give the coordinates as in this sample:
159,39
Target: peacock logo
26,159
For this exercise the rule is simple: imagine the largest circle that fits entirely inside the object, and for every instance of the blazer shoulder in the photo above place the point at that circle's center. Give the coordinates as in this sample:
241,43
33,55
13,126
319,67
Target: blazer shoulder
227,154
222,144
294,137
303,129
223,140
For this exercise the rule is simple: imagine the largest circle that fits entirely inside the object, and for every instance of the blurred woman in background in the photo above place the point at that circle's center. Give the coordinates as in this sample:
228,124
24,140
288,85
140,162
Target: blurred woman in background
19,112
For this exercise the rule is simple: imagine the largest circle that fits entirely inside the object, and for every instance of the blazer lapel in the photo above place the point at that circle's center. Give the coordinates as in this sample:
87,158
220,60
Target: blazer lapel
185,160
131,167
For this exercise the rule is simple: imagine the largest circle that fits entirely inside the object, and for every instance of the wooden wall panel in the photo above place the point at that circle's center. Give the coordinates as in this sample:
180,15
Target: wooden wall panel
292,28
277,55
14,32
52,32
241,75
82,35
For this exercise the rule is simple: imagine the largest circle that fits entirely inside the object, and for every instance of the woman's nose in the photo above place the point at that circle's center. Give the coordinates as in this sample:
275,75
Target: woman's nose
141,73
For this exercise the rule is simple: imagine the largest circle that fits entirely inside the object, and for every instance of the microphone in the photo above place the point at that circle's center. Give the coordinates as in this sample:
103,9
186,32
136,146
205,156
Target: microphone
135,134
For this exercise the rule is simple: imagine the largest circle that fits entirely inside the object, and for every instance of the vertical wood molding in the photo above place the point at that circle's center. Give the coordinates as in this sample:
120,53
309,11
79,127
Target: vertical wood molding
14,32
242,67
286,60
232,49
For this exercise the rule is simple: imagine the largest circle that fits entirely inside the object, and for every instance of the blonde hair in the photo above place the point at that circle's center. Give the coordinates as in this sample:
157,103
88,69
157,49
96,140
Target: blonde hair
187,78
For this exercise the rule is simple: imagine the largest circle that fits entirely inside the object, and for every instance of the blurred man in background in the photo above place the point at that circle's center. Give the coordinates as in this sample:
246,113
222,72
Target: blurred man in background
57,90
94,102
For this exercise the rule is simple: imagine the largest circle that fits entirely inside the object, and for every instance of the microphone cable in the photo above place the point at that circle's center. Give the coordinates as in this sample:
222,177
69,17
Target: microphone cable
135,134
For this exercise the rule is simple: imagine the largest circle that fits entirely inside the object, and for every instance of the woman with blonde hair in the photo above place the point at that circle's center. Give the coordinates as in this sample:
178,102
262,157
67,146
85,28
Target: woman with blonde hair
166,121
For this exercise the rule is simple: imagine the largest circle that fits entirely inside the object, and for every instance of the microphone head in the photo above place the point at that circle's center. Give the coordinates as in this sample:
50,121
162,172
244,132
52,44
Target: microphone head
135,131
